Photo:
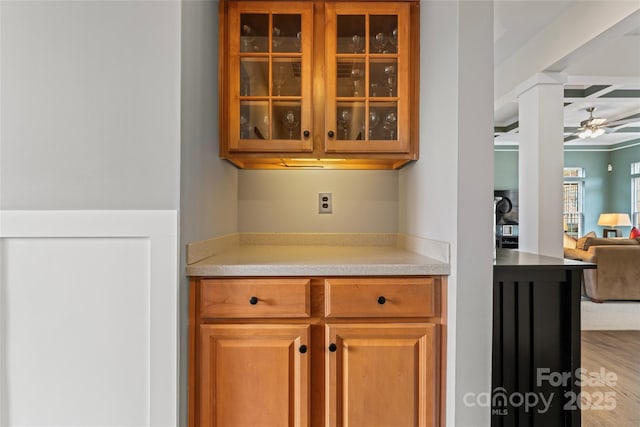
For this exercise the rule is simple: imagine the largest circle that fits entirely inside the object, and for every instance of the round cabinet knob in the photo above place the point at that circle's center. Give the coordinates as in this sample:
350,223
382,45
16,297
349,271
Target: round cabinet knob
332,347
330,133
253,300
306,133
303,349
381,300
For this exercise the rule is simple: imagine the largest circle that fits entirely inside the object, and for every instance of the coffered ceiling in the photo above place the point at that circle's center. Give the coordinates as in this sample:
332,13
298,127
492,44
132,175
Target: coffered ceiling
594,43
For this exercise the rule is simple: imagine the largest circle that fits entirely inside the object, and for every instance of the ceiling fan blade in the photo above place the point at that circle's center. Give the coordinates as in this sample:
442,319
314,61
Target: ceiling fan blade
597,121
624,121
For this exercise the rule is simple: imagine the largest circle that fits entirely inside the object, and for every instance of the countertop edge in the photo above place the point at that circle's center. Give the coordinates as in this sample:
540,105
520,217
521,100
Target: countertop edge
317,254
200,250
318,270
513,259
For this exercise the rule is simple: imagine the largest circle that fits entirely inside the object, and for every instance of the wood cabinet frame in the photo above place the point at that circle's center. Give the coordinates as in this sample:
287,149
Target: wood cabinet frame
424,331
318,150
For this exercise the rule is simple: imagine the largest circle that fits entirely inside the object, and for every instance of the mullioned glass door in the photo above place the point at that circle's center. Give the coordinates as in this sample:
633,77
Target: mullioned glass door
270,77
367,77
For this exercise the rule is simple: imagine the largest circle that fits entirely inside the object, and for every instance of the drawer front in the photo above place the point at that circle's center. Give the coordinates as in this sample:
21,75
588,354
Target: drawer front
380,297
248,298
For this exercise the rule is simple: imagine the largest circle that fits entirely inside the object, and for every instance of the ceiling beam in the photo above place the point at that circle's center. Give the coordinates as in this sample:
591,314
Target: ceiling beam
592,23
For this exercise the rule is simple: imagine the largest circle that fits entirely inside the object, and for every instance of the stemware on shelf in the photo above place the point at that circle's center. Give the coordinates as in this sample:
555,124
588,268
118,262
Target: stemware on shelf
344,120
390,72
356,75
374,121
245,81
290,121
390,124
298,41
245,128
374,89
279,78
246,39
356,43
394,38
380,42
276,39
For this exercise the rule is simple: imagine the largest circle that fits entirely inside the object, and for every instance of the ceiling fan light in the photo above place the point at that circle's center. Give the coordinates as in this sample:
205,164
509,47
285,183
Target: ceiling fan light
585,133
597,133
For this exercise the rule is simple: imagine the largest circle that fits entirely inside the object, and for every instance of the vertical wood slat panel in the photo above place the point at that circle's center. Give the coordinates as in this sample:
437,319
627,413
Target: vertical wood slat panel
524,345
536,325
575,343
497,376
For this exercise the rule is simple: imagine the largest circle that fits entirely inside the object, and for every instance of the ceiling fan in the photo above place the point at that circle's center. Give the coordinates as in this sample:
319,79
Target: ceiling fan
593,127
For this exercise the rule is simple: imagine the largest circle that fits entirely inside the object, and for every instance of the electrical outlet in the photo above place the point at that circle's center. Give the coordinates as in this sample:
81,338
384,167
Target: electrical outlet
325,204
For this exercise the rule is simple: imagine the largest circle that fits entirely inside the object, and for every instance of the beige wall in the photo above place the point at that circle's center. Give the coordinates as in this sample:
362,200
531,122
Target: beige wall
287,201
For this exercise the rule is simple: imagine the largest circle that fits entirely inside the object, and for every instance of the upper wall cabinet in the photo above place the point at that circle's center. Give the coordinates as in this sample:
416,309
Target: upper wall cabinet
268,76
319,84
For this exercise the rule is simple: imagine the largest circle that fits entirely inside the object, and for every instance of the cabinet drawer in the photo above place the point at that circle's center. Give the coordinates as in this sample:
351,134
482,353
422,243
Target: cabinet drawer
242,298
380,297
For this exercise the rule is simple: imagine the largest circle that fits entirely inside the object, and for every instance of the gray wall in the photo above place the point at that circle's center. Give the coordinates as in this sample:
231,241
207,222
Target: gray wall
90,107
209,186
505,175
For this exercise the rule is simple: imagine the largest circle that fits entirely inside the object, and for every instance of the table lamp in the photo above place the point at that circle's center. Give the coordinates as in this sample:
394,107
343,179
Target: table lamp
612,220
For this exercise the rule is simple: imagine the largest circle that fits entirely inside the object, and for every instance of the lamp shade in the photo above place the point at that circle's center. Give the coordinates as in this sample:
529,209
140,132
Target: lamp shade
614,220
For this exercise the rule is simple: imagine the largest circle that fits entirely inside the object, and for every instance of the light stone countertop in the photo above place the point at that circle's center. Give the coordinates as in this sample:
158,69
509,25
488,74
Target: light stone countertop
250,259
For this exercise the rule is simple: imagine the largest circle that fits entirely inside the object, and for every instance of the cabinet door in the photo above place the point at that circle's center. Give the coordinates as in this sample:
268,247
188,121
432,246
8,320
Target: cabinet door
381,375
253,375
269,76
368,59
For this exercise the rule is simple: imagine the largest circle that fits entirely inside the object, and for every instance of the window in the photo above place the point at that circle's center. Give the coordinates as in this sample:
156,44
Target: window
572,201
635,193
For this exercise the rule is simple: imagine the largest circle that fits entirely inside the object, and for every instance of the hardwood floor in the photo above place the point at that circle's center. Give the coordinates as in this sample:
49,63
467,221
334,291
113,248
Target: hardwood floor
614,352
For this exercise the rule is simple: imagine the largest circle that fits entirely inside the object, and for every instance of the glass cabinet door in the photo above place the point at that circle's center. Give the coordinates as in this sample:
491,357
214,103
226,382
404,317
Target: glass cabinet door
270,76
367,60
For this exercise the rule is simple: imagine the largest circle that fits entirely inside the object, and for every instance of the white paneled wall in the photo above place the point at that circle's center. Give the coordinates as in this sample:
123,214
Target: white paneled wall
88,318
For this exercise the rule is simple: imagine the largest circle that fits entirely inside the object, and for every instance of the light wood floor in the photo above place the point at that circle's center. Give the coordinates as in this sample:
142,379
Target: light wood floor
617,352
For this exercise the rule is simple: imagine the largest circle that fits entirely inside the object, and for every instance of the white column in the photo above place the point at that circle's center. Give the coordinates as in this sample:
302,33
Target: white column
448,194
541,160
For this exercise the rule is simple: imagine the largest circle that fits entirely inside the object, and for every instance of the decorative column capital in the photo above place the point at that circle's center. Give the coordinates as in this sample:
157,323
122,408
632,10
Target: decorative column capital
538,79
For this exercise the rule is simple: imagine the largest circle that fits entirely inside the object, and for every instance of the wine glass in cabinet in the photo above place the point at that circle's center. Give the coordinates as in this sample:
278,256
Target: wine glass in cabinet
269,77
368,62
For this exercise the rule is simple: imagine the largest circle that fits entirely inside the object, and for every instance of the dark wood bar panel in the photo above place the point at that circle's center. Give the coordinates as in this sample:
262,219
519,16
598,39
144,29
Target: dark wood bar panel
536,340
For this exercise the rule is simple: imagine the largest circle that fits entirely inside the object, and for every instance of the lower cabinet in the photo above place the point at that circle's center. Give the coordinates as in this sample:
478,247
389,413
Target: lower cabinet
351,351
254,375
381,375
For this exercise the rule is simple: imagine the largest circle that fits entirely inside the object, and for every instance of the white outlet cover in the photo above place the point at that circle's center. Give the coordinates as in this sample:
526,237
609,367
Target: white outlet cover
325,203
